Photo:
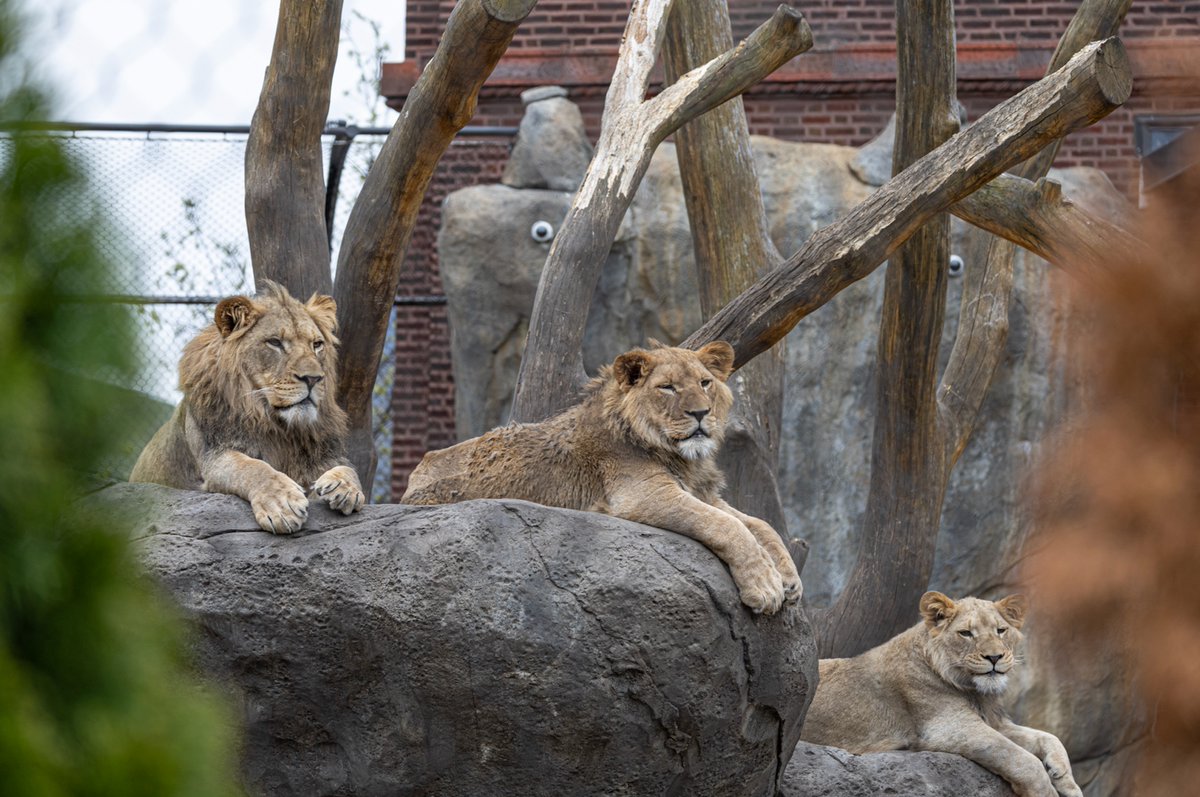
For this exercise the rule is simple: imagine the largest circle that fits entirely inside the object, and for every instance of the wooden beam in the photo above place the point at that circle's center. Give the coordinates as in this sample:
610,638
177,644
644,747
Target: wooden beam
381,222
1090,86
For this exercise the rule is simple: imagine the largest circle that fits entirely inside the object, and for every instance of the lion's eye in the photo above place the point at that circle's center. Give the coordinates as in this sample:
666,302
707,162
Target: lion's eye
318,345
667,388
1001,631
965,633
275,343
705,383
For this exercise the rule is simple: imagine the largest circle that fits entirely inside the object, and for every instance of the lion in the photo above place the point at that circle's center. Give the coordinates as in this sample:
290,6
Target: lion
937,687
641,446
258,417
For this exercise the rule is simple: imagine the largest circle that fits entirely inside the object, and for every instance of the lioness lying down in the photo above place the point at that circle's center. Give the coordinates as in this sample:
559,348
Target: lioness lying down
640,446
937,687
258,417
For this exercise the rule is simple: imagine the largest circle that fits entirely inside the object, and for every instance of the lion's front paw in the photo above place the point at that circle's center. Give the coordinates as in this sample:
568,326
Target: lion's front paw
760,585
792,588
280,506
339,488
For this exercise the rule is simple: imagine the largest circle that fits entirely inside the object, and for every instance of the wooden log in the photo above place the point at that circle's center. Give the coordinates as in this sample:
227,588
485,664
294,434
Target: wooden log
908,477
552,367
980,344
1090,86
285,176
733,245
1043,220
381,223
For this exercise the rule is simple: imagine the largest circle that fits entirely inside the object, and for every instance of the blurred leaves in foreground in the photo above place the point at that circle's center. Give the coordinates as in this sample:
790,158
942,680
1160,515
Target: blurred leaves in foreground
96,697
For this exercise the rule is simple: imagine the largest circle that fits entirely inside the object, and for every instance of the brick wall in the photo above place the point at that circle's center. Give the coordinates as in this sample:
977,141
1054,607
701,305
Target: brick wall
841,92
599,24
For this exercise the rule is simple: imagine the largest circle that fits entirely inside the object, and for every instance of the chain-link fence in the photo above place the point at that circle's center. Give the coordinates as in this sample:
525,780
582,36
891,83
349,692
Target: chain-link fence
174,197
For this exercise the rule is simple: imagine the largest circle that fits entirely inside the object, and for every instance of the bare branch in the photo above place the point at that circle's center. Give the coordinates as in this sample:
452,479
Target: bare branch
979,346
1038,217
552,368
441,103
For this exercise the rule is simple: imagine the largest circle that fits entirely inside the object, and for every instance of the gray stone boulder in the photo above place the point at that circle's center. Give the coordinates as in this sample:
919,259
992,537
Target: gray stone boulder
486,648
552,149
816,771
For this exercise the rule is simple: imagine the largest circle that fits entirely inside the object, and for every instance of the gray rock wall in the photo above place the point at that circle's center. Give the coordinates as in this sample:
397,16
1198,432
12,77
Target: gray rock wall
488,648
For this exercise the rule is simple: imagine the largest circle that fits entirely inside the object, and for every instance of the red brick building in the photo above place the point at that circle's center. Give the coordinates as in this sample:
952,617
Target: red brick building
842,91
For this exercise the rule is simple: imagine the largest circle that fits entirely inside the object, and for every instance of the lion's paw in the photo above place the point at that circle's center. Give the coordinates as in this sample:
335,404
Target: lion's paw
792,588
339,488
280,506
760,585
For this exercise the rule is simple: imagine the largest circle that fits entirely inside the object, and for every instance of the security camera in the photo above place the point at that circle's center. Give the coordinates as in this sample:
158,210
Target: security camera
956,266
541,231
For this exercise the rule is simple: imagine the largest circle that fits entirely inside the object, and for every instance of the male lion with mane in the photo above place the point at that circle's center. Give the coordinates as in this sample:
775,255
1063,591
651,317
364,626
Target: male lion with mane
937,687
258,417
640,446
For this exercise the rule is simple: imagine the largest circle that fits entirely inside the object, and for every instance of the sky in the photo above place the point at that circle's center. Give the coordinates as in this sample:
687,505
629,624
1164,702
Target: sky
183,61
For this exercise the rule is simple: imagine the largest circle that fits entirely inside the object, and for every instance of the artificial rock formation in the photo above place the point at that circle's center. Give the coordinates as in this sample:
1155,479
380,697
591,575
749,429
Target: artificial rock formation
648,289
817,771
485,648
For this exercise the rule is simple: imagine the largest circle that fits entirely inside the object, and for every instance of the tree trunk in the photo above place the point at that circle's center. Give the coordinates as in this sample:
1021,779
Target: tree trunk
285,179
987,287
1095,82
908,473
379,228
732,244
552,365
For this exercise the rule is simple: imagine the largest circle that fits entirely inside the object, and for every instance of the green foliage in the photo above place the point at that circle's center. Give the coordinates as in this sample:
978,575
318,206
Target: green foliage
95,694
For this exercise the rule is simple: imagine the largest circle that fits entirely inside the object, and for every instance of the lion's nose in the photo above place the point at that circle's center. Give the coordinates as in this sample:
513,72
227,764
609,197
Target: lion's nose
698,414
310,380
995,658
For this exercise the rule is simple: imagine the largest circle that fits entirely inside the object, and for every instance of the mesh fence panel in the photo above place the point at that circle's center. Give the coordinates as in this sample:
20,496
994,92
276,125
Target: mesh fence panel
175,204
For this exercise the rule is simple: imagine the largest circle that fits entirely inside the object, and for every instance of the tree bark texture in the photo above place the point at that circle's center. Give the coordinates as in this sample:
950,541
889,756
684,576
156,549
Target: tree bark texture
285,177
1090,86
908,474
379,228
551,368
1040,218
732,245
979,345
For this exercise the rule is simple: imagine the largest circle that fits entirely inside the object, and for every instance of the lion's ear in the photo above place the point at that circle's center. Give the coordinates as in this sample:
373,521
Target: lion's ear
324,310
937,609
718,358
1013,609
234,313
631,368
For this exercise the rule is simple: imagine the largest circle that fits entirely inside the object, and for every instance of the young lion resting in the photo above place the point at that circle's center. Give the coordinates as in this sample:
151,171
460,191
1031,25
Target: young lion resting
937,687
640,446
258,417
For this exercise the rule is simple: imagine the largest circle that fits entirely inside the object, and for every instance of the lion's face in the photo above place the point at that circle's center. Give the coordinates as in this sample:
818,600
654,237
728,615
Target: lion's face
972,642
281,353
676,399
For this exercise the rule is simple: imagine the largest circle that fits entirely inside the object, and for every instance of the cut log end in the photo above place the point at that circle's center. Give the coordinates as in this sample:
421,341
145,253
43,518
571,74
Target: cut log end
789,24
508,10
1113,73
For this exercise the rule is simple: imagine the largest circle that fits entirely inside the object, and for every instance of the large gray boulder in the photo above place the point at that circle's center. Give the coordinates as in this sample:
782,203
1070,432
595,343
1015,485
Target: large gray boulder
486,648
816,771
